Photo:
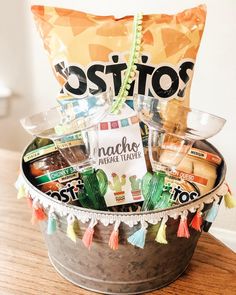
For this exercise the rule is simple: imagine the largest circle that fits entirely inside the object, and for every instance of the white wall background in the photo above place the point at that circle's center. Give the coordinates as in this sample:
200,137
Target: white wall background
25,69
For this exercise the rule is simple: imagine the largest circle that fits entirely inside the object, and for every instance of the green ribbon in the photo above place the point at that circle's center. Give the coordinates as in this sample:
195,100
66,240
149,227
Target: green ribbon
131,67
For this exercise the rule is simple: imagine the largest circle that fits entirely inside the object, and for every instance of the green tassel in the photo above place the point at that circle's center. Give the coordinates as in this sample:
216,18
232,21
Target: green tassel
161,234
52,224
139,237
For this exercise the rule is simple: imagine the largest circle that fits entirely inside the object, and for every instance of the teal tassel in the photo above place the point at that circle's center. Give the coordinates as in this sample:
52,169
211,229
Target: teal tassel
52,224
212,213
138,238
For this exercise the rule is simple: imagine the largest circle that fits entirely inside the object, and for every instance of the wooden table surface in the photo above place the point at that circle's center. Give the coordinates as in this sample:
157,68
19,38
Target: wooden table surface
26,270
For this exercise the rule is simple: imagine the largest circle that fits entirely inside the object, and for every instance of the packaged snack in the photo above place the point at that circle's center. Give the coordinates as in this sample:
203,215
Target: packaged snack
200,167
89,53
51,173
161,191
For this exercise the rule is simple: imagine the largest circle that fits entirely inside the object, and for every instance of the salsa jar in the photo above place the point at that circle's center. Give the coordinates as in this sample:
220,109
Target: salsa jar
51,173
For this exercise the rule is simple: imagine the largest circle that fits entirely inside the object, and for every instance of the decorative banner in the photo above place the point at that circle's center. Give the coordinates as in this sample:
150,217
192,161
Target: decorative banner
121,156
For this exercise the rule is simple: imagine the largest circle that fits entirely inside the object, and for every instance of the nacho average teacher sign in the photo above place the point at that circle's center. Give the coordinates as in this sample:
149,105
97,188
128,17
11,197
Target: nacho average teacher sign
121,156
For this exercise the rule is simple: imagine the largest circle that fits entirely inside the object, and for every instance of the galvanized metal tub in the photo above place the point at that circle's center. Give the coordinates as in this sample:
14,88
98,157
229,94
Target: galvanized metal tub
129,270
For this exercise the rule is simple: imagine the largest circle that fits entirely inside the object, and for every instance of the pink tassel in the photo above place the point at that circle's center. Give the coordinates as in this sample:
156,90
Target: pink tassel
196,222
114,238
88,235
29,202
183,231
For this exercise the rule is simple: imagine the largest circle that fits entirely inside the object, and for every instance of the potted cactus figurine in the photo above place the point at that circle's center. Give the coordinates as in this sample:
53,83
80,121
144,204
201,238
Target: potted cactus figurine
135,187
116,186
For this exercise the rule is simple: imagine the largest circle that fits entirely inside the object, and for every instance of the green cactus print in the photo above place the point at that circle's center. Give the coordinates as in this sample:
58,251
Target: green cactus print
118,182
135,183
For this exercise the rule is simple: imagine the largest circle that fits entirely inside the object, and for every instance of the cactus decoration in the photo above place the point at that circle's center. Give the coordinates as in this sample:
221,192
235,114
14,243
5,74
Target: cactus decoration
157,194
165,199
116,185
135,187
95,185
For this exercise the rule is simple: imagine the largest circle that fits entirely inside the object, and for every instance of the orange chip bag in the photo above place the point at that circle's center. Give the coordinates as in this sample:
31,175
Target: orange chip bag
89,53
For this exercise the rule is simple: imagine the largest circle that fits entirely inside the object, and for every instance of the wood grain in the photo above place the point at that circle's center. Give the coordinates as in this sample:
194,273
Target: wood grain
26,270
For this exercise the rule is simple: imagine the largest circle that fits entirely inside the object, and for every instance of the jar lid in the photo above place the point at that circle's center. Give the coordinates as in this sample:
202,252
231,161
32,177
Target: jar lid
42,151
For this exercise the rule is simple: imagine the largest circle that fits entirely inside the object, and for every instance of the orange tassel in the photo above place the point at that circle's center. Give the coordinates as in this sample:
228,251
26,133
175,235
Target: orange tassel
196,222
183,231
114,240
38,215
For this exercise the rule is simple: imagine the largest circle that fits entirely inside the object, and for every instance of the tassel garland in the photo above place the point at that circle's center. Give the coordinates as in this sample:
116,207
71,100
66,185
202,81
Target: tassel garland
70,232
161,234
183,231
196,222
114,238
138,238
88,235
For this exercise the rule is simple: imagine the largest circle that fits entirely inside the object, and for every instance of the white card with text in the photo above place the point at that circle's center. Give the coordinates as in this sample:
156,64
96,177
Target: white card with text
121,157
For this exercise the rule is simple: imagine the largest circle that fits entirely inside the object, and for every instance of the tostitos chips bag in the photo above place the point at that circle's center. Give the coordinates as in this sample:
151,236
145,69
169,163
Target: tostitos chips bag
89,53
94,50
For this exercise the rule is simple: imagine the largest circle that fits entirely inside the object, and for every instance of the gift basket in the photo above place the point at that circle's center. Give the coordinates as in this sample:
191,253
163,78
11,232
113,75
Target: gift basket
120,174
